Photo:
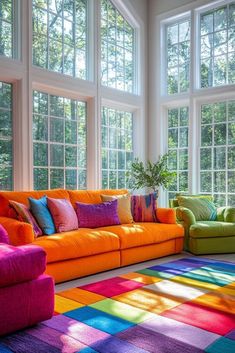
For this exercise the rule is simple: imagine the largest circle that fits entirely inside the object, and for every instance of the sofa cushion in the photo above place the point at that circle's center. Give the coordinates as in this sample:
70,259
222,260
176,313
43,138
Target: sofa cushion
138,234
22,197
20,264
212,229
91,196
77,243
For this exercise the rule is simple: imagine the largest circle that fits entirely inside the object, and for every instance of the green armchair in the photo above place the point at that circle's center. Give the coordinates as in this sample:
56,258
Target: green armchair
207,236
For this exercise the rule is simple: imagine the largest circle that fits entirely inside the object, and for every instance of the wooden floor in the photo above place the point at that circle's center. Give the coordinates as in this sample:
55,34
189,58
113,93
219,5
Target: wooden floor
133,268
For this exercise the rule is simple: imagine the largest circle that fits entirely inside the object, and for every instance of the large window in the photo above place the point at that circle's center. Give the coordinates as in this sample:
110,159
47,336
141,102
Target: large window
6,177
178,148
117,147
60,36
59,142
198,63
217,152
6,28
117,49
218,46
178,56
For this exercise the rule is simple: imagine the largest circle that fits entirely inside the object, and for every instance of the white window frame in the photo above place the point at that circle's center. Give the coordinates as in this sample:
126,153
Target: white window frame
25,78
198,11
193,99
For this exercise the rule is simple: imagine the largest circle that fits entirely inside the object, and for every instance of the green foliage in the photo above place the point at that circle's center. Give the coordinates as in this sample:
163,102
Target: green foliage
151,175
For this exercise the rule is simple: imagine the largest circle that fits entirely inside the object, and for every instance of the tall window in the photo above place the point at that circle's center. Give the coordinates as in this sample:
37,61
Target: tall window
117,49
6,175
218,46
217,152
6,27
178,148
59,142
117,147
60,36
178,56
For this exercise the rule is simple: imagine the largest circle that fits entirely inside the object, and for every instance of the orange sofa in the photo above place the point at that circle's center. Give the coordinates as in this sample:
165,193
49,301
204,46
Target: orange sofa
87,251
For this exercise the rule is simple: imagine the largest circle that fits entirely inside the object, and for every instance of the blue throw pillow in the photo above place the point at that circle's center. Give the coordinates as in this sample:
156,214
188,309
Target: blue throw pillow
42,214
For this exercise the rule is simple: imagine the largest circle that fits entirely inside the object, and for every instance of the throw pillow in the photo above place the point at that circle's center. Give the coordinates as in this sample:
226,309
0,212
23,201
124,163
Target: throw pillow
3,235
143,207
63,214
97,215
24,215
202,208
123,208
42,214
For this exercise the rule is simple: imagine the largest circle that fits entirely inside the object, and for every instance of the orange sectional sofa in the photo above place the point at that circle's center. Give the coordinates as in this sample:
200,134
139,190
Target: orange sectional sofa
87,251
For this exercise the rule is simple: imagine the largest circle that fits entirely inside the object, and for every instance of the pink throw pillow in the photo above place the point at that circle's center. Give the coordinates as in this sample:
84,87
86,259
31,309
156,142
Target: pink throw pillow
97,215
63,214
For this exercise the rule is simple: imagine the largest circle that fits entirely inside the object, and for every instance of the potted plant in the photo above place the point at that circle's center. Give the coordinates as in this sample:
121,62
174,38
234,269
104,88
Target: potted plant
151,175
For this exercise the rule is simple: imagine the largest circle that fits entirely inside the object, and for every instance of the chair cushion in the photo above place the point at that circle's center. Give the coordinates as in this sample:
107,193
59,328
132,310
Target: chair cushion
202,208
212,229
20,264
77,243
138,234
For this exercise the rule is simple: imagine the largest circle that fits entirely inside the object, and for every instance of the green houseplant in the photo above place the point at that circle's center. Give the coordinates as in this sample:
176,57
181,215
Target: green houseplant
151,175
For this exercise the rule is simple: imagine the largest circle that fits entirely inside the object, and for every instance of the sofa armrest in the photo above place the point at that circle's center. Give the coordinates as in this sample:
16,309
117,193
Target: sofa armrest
186,218
185,215
166,215
229,214
220,214
19,233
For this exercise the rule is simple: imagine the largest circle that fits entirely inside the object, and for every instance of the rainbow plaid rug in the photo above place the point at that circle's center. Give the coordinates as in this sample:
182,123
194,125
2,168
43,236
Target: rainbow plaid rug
183,306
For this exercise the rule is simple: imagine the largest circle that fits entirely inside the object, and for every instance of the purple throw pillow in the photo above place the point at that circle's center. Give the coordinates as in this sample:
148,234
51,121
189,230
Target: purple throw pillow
3,235
97,215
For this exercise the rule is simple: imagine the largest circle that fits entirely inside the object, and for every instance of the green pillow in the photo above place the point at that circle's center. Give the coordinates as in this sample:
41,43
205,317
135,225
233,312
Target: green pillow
202,208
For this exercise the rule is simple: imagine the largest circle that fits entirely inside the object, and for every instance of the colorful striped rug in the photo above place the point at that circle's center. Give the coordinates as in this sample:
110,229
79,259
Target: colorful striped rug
183,306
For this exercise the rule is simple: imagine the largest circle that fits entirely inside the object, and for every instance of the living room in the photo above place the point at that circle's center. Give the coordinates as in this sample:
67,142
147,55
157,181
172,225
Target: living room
117,176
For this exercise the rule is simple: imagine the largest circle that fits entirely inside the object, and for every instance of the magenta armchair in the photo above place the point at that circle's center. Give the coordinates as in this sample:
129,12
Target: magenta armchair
26,295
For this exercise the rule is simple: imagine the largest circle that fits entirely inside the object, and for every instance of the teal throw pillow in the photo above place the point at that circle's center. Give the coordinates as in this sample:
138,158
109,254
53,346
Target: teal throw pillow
202,208
42,214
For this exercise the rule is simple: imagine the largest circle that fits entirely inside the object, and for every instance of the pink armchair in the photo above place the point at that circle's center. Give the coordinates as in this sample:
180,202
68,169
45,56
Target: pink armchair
26,295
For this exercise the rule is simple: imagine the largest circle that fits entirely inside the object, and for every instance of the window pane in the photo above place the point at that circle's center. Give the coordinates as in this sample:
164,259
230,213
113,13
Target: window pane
117,147
117,49
217,47
6,28
6,136
59,142
178,57
178,120
217,152
60,36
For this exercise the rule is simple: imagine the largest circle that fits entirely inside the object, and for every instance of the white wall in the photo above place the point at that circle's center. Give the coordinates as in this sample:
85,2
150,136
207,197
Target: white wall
156,8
